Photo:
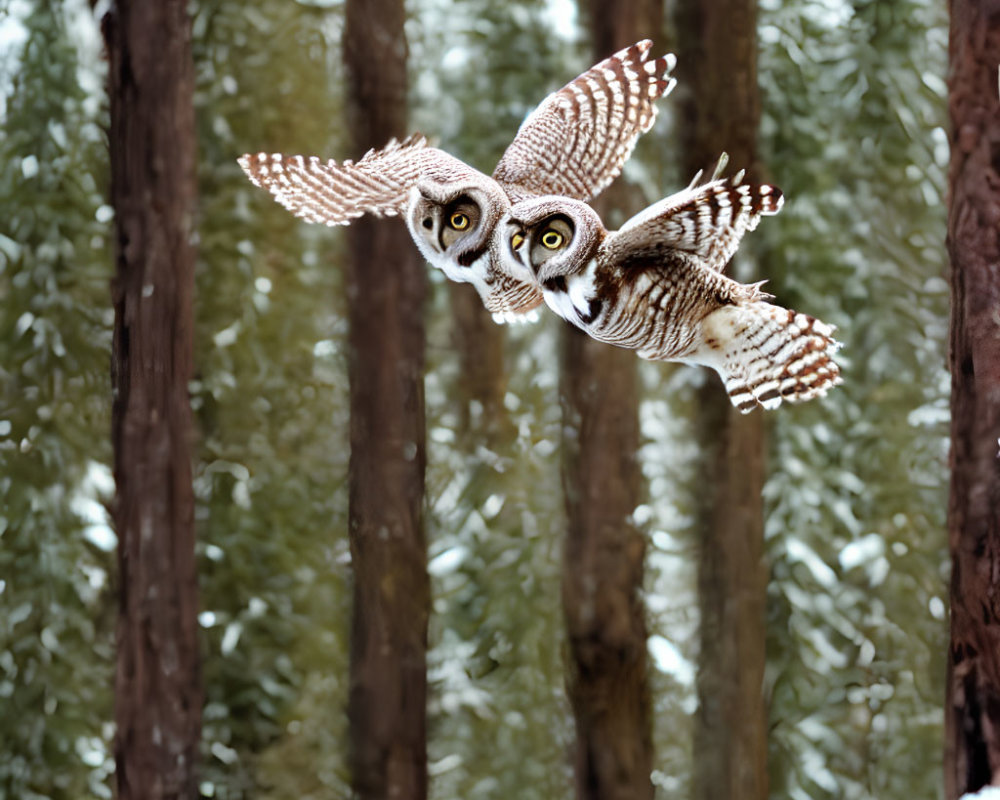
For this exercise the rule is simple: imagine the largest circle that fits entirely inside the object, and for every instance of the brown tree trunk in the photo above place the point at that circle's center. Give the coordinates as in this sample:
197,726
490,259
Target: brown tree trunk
718,92
608,682
482,381
386,288
152,144
972,719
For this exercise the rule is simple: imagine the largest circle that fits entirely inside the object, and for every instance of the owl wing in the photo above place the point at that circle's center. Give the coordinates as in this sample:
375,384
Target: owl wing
765,354
707,221
576,142
334,194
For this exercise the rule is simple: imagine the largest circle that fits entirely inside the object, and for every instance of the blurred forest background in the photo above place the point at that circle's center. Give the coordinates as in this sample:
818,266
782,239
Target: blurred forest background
852,130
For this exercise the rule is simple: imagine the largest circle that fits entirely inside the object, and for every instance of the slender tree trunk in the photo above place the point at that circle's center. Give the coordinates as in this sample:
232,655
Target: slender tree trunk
972,719
158,690
482,383
717,70
386,288
608,683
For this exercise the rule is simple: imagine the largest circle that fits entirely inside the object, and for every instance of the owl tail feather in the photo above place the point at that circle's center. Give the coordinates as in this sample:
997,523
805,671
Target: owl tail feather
776,354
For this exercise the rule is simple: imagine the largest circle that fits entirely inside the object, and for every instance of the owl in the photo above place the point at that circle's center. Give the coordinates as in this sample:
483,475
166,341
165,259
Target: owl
573,144
656,286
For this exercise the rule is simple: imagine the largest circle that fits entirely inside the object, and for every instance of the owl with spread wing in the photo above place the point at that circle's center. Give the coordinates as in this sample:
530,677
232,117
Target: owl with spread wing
657,286
573,145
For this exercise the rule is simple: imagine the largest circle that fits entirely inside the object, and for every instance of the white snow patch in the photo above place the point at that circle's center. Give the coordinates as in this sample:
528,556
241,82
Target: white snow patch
930,415
256,607
826,650
862,550
227,336
213,552
29,167
545,447
866,653
662,540
324,348
231,638
91,750
442,435
97,484
492,506
10,249
446,764
448,561
562,19
226,755
206,619
799,551
668,659
455,58
642,514
24,323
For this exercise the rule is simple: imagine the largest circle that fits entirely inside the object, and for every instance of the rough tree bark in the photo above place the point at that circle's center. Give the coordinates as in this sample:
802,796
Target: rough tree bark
718,92
608,682
152,143
386,289
972,719
482,379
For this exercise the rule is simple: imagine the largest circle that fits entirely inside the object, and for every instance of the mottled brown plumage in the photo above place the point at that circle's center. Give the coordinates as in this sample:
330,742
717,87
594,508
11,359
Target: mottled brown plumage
657,287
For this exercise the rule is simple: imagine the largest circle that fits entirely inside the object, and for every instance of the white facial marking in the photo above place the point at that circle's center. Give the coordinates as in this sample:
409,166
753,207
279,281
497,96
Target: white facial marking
574,303
475,273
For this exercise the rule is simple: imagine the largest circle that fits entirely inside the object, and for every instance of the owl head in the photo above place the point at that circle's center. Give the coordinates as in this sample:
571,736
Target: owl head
550,237
452,222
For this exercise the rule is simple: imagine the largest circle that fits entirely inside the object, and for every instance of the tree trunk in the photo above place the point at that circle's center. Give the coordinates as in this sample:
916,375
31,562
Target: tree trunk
158,690
972,719
717,73
482,380
608,683
730,744
386,288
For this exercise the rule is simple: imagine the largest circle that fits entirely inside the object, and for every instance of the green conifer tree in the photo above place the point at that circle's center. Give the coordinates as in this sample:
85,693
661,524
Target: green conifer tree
56,637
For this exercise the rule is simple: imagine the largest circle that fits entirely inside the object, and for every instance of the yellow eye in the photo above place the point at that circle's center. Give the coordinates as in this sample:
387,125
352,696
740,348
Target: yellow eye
516,241
459,221
552,239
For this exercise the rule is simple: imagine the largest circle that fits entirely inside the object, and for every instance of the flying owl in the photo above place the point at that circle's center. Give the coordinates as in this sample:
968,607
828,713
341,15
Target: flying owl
573,144
656,286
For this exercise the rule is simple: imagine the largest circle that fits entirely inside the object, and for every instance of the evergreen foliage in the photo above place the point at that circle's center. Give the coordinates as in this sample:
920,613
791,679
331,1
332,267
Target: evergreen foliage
56,612
271,409
853,126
